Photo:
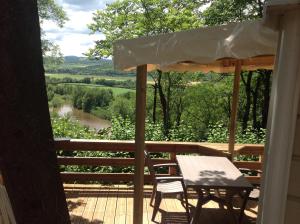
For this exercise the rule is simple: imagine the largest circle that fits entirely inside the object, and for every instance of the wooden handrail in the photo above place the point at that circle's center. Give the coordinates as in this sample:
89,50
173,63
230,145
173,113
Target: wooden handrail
172,148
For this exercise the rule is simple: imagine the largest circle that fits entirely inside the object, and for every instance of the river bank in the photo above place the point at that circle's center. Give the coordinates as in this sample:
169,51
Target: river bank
86,119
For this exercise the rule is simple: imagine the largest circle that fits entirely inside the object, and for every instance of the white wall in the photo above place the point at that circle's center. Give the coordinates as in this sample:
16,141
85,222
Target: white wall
292,213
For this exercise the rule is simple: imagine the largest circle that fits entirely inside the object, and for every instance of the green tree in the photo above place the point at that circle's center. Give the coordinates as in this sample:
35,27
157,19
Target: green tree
126,19
225,11
255,93
51,11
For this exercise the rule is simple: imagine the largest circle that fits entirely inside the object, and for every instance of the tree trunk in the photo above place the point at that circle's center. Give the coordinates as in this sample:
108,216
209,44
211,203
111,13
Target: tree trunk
266,97
27,157
168,118
164,104
255,100
154,103
179,109
248,99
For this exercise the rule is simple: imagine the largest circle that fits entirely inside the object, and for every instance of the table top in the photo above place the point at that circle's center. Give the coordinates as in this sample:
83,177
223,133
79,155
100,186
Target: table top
211,172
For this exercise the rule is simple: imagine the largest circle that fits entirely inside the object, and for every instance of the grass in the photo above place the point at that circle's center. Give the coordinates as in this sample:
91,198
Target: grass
117,78
116,90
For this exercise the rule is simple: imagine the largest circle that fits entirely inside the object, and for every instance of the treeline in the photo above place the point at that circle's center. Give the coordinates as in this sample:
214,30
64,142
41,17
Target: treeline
128,84
176,100
87,70
88,99
100,102
83,66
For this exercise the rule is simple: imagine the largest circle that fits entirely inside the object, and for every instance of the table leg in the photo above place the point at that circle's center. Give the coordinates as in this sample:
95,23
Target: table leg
196,216
244,206
229,203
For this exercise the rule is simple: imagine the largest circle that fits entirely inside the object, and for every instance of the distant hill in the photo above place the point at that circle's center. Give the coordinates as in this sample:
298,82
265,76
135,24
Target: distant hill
84,66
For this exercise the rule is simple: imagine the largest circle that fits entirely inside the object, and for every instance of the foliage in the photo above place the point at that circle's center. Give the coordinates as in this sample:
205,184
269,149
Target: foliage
218,133
64,127
205,103
124,106
124,19
49,10
87,99
226,11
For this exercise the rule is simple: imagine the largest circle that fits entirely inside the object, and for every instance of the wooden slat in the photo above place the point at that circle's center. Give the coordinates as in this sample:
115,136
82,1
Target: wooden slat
128,146
172,147
255,150
249,165
102,177
170,207
254,179
120,217
129,206
76,213
111,206
100,207
101,161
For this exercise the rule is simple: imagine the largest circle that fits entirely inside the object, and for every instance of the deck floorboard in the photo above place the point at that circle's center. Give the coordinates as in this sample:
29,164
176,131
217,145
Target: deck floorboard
113,204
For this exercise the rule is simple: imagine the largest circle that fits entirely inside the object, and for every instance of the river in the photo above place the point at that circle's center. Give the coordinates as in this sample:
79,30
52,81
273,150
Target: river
83,118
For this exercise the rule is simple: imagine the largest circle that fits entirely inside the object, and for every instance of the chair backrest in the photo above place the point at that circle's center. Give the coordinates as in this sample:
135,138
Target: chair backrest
149,164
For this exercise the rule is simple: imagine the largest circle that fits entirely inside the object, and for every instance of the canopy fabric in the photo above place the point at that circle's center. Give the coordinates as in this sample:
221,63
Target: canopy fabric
205,49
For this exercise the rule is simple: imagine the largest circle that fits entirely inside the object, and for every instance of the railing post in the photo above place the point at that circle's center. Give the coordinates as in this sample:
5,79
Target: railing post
141,88
172,157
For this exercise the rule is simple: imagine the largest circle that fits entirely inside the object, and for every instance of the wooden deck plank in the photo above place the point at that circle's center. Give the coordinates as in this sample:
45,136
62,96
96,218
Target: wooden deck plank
89,210
111,204
129,205
100,206
120,217
110,211
148,207
78,205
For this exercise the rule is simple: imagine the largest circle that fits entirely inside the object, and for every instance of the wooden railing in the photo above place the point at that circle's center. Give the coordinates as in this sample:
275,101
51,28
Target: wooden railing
172,148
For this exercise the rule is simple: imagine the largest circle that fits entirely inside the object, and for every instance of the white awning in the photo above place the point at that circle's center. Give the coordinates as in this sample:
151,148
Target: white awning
205,49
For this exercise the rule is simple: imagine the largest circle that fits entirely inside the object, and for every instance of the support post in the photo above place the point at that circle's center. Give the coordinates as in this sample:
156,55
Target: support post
141,88
234,107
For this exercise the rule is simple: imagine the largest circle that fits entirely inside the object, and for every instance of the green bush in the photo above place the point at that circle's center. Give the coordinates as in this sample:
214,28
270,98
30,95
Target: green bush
218,133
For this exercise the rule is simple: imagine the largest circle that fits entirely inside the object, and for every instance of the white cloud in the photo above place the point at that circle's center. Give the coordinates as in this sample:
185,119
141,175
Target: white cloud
75,38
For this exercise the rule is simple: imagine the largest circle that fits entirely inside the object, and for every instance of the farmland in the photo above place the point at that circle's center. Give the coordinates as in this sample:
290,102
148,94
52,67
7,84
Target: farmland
79,76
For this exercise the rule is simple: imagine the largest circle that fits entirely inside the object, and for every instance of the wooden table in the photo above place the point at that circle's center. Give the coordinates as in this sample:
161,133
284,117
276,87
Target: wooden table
206,173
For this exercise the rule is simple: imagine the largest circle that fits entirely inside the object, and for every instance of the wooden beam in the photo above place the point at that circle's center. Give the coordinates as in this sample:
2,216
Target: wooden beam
141,88
27,156
234,107
101,177
102,161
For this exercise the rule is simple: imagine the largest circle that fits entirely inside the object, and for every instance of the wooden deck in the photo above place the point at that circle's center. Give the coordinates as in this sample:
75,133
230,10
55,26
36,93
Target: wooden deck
113,204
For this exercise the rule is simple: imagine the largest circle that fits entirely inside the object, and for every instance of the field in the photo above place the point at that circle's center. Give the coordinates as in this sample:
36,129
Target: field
116,90
117,78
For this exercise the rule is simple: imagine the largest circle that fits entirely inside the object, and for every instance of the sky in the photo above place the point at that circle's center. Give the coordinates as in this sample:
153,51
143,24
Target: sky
75,38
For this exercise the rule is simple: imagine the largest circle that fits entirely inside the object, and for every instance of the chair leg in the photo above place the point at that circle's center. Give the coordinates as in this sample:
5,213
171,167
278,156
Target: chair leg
157,201
152,195
187,205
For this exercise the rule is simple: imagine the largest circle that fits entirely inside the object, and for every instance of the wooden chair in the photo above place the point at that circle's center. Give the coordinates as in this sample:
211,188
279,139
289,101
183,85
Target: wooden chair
165,185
